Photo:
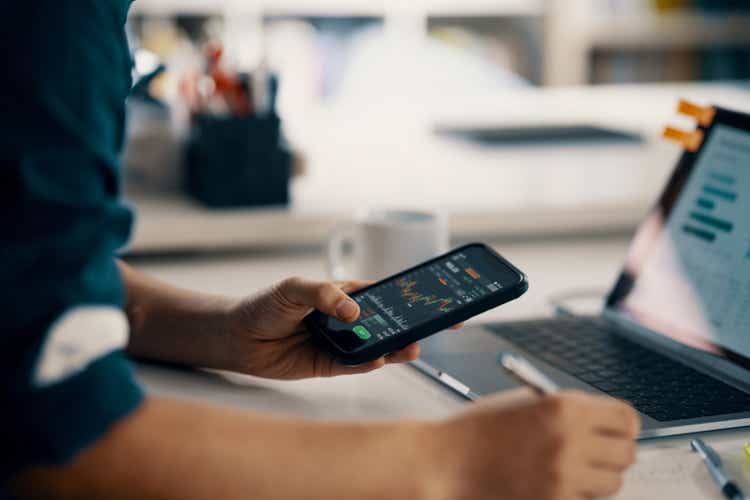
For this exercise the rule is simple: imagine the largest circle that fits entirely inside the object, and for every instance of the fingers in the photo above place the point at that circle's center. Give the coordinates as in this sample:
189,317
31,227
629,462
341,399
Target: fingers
339,369
408,353
321,295
607,446
605,415
353,285
614,454
601,483
613,417
500,402
610,457
405,355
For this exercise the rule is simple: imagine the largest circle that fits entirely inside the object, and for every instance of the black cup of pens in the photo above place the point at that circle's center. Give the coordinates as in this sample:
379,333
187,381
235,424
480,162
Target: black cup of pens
235,161
235,152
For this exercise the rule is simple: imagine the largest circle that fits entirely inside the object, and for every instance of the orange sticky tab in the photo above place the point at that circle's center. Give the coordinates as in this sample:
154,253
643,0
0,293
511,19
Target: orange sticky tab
690,140
704,115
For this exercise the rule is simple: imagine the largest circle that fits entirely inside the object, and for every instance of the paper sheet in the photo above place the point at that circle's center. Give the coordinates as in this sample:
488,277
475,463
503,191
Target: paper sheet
674,471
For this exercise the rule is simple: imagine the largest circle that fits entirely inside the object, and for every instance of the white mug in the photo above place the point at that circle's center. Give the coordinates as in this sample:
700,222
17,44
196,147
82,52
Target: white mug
386,242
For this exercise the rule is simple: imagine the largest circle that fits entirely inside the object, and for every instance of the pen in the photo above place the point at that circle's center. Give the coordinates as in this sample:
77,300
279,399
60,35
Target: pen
713,463
445,379
526,373
457,386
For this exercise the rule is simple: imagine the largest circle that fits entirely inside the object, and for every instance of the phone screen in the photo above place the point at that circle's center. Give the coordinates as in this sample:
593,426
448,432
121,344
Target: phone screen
423,294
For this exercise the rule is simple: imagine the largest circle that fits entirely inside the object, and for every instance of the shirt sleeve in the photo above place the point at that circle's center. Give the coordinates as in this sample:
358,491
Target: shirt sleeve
66,380
65,377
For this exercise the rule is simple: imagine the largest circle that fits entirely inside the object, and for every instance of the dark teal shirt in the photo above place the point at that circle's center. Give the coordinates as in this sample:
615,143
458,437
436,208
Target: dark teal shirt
66,75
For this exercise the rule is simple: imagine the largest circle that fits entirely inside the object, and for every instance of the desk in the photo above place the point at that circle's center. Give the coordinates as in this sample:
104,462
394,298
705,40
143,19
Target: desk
665,468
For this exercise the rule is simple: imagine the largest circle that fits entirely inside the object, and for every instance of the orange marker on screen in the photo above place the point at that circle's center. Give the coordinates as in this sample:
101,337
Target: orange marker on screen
704,115
690,140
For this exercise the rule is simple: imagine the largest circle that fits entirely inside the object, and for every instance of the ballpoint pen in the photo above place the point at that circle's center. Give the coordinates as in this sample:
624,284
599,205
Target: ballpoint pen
713,462
445,379
526,373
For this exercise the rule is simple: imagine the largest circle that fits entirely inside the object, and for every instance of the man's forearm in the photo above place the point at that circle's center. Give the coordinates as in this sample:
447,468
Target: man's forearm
171,324
175,450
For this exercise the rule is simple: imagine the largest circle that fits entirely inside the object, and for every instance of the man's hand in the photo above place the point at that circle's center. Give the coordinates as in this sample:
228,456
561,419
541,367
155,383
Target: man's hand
261,335
512,446
266,337
569,446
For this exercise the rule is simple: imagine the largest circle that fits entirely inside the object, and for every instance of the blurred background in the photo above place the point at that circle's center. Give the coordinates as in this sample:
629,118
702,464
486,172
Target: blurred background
265,123
259,127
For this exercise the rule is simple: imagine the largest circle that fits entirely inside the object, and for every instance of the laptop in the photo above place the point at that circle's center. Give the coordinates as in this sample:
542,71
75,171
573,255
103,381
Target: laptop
538,135
673,338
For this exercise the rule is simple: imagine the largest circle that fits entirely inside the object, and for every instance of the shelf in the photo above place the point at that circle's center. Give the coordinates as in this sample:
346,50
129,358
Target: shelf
483,8
668,31
337,8
344,8
321,8
176,224
173,7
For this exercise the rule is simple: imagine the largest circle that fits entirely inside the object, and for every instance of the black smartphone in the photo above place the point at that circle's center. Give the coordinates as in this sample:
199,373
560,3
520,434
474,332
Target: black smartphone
419,302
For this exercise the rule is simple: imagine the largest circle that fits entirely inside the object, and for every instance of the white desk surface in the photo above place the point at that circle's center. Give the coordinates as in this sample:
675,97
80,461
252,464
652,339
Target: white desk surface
666,469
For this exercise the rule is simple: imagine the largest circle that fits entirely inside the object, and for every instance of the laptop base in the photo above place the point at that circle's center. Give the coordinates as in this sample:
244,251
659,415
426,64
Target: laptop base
587,353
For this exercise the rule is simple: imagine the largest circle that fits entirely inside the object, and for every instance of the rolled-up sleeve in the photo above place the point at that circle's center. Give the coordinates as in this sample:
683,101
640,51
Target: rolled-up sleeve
65,378
64,375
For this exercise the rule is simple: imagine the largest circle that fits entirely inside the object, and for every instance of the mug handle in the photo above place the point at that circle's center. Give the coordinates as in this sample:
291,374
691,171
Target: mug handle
341,235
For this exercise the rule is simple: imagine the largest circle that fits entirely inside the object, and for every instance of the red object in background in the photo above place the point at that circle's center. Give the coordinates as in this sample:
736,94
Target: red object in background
227,86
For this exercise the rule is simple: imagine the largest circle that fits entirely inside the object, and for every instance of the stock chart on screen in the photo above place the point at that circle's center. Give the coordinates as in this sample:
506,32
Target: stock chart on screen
703,256
423,294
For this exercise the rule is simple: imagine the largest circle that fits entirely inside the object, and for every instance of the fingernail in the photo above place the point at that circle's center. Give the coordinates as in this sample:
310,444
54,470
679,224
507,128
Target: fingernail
347,309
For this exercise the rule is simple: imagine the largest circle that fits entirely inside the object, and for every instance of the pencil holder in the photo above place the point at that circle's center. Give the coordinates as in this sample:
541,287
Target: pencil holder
237,161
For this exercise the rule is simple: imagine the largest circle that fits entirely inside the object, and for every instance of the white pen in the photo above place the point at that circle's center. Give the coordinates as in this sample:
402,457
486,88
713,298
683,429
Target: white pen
445,379
526,373
457,386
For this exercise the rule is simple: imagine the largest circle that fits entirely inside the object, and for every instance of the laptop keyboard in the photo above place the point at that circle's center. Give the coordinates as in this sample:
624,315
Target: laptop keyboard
654,384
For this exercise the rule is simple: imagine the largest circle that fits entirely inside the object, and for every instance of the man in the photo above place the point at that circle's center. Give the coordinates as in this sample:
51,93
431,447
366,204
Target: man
76,425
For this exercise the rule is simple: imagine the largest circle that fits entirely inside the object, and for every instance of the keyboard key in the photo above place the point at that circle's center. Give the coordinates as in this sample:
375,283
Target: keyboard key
656,385
606,386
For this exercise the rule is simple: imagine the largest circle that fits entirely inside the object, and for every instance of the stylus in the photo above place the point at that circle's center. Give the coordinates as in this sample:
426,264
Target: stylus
457,386
445,379
526,373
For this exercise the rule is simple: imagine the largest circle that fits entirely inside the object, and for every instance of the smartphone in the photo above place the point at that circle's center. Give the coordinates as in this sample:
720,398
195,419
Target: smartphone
419,302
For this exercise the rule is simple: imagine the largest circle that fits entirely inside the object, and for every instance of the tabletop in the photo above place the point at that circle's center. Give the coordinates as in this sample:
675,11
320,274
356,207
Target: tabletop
665,469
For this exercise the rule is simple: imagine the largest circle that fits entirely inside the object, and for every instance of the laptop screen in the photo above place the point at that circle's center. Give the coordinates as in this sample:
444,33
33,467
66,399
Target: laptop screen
687,272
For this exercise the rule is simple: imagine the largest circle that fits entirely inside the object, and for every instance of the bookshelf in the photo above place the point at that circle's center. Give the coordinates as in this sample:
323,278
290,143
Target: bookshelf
342,8
577,34
669,30
575,37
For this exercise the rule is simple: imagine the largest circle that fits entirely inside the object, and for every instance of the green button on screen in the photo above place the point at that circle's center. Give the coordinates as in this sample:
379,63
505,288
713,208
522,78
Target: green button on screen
362,332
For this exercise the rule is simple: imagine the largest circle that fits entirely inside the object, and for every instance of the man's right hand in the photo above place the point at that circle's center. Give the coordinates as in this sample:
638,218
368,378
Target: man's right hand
513,446
523,447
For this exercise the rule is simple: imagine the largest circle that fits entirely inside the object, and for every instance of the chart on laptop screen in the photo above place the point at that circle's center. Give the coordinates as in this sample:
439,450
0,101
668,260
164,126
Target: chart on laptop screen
697,279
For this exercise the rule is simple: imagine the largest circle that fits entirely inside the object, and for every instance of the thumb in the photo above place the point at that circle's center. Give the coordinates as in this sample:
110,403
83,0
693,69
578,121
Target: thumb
321,295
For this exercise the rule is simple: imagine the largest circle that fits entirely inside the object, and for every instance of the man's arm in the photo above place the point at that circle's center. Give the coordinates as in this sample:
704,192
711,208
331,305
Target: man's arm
171,324
499,447
175,450
260,335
